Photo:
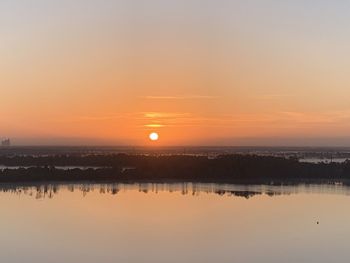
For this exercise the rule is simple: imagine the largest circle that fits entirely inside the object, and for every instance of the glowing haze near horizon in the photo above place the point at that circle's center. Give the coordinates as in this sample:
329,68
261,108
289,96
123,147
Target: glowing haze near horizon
198,72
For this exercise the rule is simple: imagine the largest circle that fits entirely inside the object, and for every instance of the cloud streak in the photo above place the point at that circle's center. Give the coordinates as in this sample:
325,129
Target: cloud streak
190,97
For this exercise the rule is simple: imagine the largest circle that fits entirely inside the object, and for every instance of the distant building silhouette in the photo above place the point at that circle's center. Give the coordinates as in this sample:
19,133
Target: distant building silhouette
6,143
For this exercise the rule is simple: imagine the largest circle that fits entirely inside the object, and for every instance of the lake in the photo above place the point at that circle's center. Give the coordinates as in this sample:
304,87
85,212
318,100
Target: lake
174,223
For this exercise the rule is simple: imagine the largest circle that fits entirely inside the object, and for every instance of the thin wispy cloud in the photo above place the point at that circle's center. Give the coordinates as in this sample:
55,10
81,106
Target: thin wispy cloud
163,120
190,97
152,125
330,117
273,96
101,118
88,118
110,116
165,115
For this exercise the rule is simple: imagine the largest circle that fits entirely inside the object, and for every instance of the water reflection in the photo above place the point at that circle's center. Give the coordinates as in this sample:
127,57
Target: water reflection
43,191
170,223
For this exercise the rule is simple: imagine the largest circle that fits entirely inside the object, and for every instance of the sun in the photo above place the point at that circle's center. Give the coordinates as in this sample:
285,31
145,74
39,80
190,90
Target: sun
154,136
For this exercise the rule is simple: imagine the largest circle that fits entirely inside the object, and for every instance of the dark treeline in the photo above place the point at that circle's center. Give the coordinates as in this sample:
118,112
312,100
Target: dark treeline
67,160
122,167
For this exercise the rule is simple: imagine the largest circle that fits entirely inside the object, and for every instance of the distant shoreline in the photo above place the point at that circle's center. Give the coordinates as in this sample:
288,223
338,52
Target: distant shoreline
231,169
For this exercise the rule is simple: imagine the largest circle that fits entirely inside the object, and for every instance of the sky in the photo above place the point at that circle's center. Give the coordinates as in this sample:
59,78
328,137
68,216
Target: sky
198,72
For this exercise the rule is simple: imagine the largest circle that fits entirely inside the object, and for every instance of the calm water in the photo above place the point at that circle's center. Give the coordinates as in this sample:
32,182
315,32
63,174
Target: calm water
174,223
70,167
324,160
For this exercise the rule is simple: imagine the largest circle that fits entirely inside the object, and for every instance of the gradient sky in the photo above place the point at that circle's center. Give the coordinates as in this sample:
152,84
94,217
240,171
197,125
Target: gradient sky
200,72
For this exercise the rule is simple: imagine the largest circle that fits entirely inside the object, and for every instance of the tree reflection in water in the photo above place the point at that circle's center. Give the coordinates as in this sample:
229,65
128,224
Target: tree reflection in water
42,191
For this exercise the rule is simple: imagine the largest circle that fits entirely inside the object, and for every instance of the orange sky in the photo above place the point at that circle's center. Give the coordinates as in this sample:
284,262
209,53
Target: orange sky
219,73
